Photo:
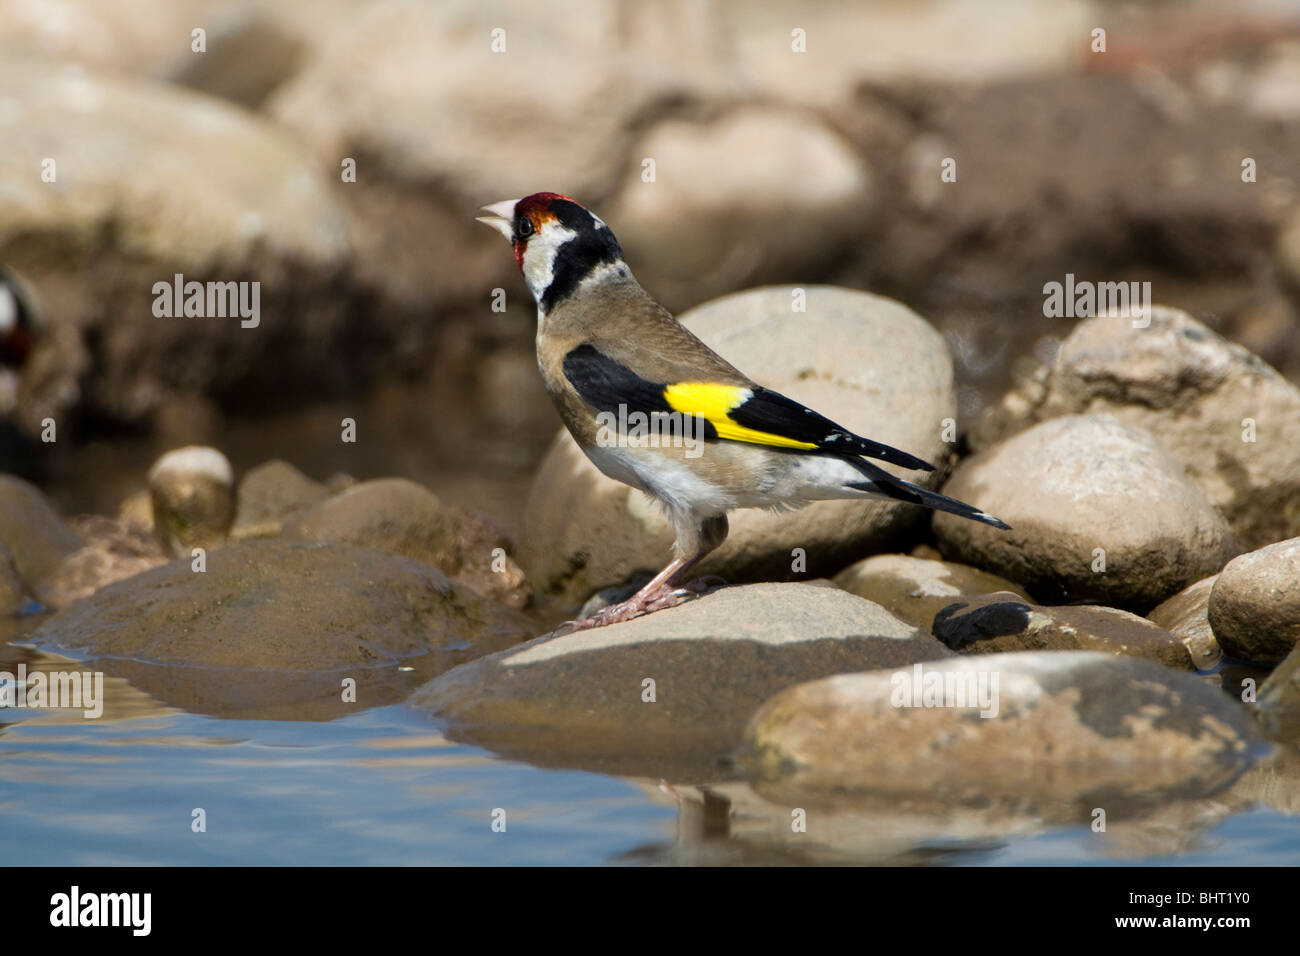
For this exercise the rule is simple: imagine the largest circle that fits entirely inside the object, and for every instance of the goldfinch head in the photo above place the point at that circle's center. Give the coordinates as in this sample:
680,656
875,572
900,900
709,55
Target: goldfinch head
16,338
558,244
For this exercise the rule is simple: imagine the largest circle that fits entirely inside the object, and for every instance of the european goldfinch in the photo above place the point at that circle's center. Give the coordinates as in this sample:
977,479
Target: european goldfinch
16,338
634,386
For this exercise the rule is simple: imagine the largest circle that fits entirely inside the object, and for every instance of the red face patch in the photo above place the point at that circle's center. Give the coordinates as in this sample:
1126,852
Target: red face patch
537,209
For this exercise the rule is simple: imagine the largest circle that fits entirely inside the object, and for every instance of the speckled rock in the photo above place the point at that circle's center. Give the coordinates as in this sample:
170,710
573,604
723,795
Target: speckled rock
113,551
1070,728
1228,417
285,606
864,361
1186,616
396,515
999,623
1254,606
664,694
916,589
37,538
1083,492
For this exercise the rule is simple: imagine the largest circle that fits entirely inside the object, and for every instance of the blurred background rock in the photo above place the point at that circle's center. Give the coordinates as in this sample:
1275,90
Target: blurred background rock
770,166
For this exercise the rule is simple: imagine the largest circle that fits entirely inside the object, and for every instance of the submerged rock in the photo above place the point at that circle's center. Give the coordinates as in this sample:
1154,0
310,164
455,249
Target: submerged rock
285,606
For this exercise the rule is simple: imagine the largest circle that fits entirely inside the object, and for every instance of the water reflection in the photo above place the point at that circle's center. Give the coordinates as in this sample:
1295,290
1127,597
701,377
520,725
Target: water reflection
385,786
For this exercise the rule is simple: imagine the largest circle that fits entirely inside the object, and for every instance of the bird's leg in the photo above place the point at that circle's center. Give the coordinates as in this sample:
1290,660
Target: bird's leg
664,589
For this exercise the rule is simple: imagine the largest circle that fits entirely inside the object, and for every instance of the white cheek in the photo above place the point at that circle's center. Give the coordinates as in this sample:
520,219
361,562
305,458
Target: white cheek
8,310
539,267
539,257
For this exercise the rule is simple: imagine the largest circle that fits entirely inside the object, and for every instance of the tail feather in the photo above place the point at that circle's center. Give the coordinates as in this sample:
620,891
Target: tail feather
883,483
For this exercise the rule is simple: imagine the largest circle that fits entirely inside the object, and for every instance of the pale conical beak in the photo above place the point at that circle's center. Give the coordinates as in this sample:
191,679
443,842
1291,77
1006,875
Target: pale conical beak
502,218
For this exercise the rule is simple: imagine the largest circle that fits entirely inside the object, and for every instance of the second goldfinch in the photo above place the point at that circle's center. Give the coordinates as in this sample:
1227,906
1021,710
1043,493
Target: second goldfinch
16,337
613,359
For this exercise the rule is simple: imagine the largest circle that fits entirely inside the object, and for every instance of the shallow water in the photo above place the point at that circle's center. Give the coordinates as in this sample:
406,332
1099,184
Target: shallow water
384,786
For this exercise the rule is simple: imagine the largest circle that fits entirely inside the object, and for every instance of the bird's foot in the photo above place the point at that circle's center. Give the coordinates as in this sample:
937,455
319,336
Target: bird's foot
662,597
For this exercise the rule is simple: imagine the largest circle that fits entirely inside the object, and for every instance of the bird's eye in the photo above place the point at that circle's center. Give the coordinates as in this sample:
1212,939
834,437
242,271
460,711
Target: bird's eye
524,228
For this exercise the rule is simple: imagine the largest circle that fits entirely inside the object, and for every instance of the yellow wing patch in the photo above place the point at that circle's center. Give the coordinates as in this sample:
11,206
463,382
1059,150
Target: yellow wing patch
715,403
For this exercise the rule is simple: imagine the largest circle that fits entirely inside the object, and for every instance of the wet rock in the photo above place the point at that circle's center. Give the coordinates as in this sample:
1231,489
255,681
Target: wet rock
1254,606
664,694
709,225
37,538
1186,616
269,495
1230,419
193,495
1073,728
999,623
916,589
864,361
282,606
396,515
113,551
1084,493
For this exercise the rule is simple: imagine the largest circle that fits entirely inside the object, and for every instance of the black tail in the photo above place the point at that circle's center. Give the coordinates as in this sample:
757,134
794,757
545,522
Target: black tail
882,482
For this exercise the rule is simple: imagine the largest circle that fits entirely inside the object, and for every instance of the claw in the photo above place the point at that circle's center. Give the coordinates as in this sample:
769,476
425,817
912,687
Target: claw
640,604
